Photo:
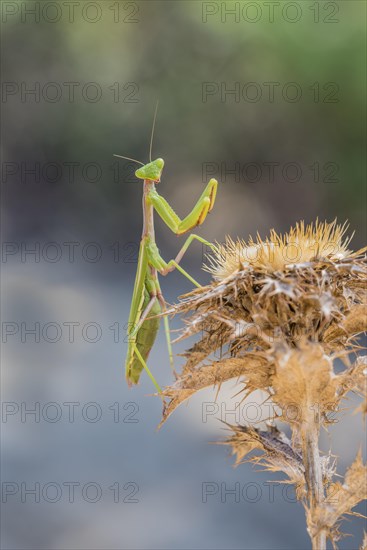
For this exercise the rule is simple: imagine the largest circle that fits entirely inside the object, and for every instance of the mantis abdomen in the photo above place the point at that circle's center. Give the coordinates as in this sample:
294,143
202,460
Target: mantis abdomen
145,338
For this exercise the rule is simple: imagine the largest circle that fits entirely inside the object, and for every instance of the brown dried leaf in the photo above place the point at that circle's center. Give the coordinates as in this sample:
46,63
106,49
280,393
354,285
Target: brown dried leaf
304,379
356,320
212,375
335,335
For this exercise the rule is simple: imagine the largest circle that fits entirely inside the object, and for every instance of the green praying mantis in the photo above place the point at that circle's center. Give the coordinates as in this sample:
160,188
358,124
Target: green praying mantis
147,300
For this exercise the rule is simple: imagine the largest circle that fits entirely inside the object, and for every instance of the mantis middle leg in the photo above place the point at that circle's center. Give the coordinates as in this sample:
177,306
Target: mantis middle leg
163,267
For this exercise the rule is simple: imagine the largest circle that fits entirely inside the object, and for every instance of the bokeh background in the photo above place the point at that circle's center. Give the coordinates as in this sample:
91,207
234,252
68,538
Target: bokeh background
97,70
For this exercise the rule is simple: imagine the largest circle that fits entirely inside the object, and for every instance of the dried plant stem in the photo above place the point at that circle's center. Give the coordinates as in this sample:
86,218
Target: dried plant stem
313,474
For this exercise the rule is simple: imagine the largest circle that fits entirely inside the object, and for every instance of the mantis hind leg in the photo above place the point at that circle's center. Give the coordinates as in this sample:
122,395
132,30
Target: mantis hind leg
167,332
146,368
143,316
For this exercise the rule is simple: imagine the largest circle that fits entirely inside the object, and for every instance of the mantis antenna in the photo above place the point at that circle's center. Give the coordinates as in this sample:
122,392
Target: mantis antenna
151,142
128,158
152,135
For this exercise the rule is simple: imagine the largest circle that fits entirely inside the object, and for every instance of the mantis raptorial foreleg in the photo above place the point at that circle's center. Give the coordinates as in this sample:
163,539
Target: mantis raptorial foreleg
195,217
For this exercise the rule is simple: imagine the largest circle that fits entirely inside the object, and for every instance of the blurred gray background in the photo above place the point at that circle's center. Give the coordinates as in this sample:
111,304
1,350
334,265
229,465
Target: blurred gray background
267,98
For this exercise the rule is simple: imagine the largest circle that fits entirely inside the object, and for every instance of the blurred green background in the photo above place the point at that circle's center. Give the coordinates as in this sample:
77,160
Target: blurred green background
169,54
299,154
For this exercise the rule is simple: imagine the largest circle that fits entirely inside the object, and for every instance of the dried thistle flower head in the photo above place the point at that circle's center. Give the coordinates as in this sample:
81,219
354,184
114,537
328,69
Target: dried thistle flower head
280,312
302,244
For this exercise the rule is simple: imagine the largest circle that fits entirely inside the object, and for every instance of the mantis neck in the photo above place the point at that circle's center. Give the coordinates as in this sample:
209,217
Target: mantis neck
148,219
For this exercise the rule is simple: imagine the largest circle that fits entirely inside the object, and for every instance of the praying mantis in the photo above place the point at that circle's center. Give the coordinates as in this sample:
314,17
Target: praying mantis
147,298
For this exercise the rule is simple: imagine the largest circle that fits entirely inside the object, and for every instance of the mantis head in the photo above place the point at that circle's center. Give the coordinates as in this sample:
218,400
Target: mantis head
151,171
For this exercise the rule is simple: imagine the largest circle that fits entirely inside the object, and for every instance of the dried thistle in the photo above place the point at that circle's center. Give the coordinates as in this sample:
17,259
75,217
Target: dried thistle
282,311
